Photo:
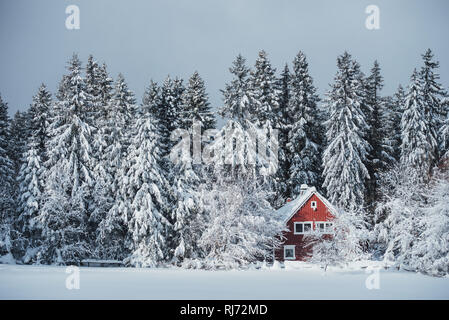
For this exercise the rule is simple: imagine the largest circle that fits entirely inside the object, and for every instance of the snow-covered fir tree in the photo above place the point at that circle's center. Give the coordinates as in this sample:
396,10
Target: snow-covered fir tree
174,103
69,178
39,115
168,119
234,149
263,87
100,88
148,227
237,97
305,135
93,72
347,149
379,156
244,152
7,203
167,115
113,211
393,114
264,96
444,133
235,146
284,126
418,138
188,175
195,105
31,177
433,96
187,210
19,135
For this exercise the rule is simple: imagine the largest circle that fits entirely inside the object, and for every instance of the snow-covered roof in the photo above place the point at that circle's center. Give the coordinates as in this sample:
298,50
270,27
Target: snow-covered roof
290,208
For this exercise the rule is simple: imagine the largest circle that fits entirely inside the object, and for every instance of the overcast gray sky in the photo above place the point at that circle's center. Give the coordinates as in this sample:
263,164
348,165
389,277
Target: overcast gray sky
150,39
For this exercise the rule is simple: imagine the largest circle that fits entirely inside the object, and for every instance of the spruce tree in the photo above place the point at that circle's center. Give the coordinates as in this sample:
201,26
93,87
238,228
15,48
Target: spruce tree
100,88
169,119
148,226
264,93
248,156
345,156
284,125
305,140
113,212
236,95
379,156
31,177
93,72
433,103
392,119
444,133
6,181
168,113
39,115
69,178
195,105
263,86
19,135
418,138
187,210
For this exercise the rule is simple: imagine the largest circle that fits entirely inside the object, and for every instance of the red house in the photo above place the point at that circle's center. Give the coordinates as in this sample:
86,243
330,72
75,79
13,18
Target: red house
309,211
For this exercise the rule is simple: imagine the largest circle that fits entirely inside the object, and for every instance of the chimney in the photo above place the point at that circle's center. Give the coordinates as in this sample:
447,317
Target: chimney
303,189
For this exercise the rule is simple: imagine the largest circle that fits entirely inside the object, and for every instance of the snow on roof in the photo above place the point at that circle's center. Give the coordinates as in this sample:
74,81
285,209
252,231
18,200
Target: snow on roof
290,208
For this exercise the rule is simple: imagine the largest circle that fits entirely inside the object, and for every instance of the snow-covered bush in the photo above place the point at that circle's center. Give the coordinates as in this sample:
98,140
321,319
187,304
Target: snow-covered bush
413,228
240,226
398,214
342,242
431,251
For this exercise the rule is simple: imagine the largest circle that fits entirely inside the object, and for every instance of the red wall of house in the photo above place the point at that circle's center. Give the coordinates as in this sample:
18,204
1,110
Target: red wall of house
306,213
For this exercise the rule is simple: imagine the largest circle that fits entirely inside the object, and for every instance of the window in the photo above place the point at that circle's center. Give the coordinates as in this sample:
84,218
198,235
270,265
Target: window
320,226
307,227
289,252
313,205
303,227
323,227
328,228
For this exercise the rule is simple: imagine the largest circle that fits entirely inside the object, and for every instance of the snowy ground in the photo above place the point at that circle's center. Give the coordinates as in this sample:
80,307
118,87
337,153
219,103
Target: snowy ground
296,281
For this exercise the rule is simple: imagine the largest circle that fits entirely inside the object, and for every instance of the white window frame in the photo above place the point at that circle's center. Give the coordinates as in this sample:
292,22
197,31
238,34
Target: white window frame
327,227
294,253
317,229
314,205
303,223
